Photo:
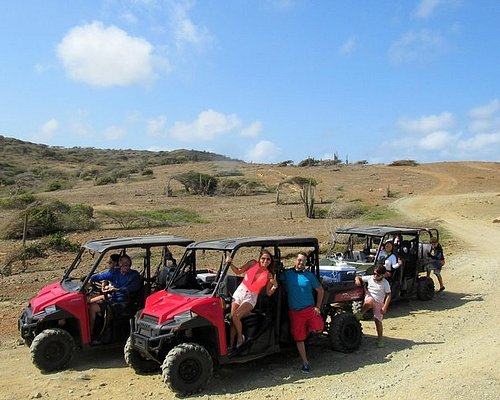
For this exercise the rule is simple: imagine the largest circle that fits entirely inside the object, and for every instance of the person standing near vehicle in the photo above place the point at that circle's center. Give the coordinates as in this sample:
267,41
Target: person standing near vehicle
258,274
304,313
437,262
377,297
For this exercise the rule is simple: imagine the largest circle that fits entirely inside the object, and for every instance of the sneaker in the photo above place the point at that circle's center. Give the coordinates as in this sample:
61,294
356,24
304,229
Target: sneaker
380,344
305,368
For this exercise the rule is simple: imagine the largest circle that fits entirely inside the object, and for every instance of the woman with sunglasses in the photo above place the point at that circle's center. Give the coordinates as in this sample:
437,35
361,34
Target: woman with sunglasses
257,275
378,297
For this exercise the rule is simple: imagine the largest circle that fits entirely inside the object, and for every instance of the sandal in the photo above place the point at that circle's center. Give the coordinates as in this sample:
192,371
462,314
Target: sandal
238,345
441,289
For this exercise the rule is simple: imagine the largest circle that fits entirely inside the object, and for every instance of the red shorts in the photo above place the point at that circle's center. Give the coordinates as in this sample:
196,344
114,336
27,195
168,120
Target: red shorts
303,322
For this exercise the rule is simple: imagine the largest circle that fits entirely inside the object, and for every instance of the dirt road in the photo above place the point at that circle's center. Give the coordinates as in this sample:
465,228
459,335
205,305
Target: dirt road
442,349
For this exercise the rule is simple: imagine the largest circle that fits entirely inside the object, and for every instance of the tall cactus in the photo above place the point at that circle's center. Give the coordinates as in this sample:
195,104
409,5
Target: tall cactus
307,196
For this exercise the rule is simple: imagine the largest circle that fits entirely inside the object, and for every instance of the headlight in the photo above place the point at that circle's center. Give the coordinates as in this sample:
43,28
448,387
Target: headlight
47,310
178,320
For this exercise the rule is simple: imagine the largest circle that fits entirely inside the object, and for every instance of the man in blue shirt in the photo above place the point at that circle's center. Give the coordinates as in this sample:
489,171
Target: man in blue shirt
304,313
118,285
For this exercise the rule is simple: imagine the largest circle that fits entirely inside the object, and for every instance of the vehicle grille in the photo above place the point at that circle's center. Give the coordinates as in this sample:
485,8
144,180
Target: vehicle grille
149,319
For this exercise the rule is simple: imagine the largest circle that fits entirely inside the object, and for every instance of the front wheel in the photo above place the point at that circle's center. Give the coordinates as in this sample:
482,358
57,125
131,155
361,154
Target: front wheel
137,361
425,288
52,349
187,368
345,333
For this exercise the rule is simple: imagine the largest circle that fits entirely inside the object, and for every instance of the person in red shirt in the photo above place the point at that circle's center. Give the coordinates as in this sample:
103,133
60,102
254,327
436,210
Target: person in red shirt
258,274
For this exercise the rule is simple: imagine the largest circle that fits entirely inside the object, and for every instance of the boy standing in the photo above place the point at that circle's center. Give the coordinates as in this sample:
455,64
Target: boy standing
378,297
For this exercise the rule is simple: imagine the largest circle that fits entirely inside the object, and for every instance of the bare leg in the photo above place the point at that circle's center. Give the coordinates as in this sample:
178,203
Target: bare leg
380,329
301,347
243,310
440,280
367,305
93,310
232,337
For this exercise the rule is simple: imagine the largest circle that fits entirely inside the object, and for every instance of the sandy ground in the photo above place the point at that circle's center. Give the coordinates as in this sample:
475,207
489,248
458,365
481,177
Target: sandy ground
442,349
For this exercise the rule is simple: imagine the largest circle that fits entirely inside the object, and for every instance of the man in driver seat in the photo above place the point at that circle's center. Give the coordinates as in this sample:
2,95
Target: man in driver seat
117,286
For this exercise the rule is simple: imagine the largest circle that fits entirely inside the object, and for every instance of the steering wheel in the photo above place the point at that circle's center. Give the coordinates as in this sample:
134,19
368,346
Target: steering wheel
94,288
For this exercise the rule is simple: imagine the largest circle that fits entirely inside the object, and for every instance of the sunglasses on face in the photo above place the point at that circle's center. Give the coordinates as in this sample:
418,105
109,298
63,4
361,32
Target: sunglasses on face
377,274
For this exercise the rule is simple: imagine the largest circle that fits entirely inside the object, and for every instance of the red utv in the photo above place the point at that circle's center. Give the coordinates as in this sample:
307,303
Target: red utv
184,329
56,321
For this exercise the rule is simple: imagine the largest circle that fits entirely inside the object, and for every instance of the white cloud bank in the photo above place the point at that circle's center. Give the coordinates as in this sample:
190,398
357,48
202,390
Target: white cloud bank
209,125
422,46
263,152
436,137
46,131
427,7
107,56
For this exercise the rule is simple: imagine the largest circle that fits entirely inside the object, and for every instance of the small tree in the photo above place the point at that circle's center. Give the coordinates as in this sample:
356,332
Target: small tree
198,183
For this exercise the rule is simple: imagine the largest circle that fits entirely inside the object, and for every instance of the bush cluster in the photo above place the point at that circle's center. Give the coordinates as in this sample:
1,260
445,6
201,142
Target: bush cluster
45,219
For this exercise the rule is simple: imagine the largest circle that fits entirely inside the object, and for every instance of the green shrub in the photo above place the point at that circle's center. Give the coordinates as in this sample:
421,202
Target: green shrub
44,219
321,213
57,241
301,181
53,186
17,202
105,180
155,218
403,163
198,183
241,187
308,162
348,210
34,250
147,172
229,172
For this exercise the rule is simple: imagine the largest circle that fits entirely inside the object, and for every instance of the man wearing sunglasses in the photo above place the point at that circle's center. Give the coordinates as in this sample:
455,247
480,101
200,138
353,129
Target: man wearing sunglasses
377,297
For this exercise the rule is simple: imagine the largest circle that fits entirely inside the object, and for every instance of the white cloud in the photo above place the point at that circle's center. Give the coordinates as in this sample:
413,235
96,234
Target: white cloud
264,152
435,137
426,7
156,127
483,142
428,123
114,133
106,56
348,46
186,31
486,111
207,126
129,18
253,130
47,130
485,118
437,141
81,129
420,46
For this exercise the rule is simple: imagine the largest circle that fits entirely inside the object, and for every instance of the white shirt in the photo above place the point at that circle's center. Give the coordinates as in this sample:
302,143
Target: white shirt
391,263
377,289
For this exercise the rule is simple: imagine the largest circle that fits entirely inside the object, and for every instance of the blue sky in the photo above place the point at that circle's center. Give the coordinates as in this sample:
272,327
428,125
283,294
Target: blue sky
262,81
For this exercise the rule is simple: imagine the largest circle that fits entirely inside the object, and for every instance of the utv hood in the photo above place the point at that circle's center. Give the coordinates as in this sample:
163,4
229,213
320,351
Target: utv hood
165,306
49,295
